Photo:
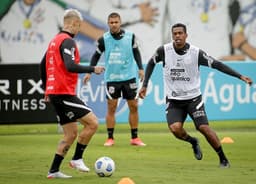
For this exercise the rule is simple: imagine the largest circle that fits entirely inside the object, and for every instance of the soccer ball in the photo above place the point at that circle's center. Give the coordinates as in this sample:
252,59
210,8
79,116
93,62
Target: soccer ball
104,166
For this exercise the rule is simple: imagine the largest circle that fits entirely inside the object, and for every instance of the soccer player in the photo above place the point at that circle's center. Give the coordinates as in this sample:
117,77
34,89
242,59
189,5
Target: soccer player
59,73
181,62
121,57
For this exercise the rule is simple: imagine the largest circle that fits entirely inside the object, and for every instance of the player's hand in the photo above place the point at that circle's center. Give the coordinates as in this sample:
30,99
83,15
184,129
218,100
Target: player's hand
87,77
142,92
141,75
99,69
247,80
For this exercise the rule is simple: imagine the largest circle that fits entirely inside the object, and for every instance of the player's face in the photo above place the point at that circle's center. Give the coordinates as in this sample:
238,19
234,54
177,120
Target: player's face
179,37
76,25
114,24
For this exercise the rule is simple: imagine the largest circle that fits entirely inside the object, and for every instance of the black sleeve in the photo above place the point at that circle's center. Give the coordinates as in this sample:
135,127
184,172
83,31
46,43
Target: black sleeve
136,53
149,70
67,50
43,71
156,58
206,60
159,56
99,50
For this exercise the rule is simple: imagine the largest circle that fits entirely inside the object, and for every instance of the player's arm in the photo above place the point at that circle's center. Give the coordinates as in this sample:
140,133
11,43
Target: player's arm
156,58
136,53
137,57
43,71
67,50
209,61
98,52
95,57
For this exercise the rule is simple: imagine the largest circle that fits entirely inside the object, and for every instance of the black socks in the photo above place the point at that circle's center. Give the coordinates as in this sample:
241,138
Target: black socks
110,133
221,154
56,163
134,133
79,151
191,140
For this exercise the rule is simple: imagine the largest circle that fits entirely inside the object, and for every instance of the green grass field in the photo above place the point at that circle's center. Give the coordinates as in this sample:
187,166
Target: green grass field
26,152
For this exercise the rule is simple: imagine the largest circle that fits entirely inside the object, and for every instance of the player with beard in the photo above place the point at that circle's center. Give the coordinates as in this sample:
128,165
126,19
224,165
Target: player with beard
181,62
123,65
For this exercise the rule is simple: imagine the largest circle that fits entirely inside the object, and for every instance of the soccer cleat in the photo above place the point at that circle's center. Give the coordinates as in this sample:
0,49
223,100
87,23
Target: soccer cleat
79,165
197,151
137,142
58,175
224,164
109,142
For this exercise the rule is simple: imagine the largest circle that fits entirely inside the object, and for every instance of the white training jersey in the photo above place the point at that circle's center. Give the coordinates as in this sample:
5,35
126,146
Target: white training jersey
181,73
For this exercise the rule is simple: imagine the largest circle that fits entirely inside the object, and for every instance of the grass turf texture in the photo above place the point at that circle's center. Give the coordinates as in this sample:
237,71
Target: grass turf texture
26,152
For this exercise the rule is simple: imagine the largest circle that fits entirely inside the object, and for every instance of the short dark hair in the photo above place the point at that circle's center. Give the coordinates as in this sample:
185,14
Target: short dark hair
113,15
180,25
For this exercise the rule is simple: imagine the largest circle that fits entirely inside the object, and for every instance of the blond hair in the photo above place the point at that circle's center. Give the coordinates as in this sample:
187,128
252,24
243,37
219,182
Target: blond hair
71,13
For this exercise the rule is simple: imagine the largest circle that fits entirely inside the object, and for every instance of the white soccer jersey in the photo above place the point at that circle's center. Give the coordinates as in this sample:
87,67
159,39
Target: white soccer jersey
181,73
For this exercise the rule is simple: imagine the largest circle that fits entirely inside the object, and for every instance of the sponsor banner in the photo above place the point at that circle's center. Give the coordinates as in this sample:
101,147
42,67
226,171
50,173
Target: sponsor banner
21,95
225,97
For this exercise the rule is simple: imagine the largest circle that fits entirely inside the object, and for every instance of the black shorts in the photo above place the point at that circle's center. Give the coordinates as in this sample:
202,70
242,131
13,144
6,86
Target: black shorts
69,108
177,111
126,89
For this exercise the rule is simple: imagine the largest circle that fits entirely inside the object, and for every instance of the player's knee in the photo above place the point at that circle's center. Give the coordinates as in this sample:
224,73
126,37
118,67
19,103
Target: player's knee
72,136
134,109
94,125
175,128
111,110
204,129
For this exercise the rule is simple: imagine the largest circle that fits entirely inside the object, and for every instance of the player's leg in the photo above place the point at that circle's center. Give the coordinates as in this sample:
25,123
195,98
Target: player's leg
214,141
176,115
113,93
133,115
111,121
134,122
70,134
198,114
90,125
110,116
129,91
71,109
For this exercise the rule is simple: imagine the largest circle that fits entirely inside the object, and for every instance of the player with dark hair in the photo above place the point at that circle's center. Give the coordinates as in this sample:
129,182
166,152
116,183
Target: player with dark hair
122,58
59,73
181,62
